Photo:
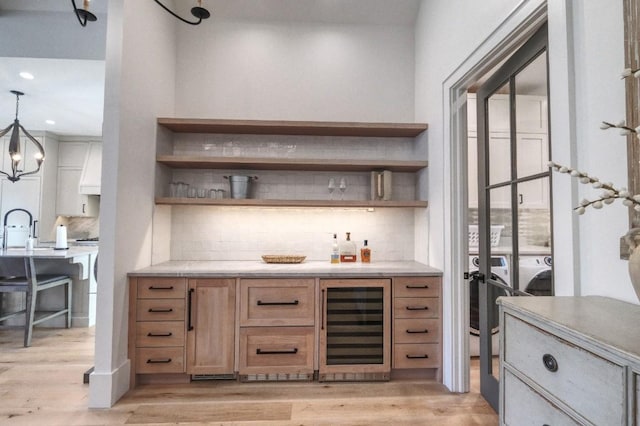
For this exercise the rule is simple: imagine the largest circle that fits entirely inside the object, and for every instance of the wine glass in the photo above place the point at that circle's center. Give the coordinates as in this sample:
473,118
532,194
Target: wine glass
342,187
331,187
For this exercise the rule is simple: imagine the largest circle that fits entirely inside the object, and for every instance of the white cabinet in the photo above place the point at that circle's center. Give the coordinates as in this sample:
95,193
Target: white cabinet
92,170
69,200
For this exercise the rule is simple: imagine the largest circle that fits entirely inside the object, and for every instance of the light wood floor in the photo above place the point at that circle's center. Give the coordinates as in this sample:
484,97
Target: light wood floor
42,385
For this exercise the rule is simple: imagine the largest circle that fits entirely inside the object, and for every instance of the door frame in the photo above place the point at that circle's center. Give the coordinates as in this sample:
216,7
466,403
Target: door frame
519,25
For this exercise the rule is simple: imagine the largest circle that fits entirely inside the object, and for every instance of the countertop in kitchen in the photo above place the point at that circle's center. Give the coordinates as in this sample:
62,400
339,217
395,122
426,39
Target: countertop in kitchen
48,252
246,269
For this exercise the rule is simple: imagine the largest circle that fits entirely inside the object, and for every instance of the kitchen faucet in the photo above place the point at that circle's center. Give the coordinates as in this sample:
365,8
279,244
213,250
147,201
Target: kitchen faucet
32,225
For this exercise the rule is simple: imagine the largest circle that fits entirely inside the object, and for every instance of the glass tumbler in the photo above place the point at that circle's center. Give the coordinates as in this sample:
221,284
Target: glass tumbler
202,192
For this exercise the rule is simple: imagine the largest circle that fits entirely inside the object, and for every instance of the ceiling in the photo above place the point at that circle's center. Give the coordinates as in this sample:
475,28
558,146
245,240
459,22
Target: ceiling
70,91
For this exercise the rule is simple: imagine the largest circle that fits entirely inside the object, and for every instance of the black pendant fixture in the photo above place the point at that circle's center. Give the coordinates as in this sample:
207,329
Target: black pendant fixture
15,151
198,12
83,14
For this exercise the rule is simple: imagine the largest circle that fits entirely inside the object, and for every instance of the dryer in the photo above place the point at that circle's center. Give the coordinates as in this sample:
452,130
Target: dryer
535,275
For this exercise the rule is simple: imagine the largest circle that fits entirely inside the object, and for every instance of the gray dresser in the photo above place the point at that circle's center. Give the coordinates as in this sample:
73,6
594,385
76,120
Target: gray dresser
568,361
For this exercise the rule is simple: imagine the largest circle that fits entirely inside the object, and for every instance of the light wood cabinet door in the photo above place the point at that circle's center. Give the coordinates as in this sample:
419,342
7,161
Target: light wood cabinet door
211,326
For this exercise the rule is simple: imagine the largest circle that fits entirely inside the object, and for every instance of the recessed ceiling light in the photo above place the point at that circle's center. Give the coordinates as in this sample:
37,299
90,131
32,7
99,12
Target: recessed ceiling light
26,75
51,122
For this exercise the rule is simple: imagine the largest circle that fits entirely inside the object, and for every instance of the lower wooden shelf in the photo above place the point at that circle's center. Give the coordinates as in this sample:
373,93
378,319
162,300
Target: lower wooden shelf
288,203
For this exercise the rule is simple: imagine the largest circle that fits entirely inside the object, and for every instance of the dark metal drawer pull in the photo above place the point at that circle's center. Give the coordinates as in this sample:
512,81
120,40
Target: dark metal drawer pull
417,356
159,361
417,286
550,362
160,288
417,308
160,310
418,331
169,334
261,303
284,352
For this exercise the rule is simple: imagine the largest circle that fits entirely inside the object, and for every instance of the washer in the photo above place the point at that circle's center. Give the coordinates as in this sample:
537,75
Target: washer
535,275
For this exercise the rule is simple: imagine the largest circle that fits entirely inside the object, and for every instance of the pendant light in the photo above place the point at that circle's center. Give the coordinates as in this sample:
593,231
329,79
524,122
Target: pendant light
15,152
198,12
83,14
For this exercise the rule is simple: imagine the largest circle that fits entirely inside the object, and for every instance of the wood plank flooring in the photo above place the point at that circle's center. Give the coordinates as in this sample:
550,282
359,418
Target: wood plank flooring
42,385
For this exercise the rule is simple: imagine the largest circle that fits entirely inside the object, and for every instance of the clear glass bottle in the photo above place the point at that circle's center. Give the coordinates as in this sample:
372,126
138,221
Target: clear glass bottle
335,250
348,250
365,253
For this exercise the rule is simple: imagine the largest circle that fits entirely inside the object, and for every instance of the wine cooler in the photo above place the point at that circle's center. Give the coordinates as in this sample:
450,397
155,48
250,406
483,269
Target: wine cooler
355,329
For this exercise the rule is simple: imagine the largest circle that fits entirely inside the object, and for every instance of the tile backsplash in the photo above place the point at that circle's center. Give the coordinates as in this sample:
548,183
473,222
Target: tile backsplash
242,233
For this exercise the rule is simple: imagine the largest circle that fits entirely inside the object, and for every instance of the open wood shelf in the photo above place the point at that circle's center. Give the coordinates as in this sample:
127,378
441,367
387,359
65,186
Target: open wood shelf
194,162
288,203
276,127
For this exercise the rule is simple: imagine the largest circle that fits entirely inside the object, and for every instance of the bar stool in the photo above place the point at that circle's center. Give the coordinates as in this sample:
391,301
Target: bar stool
31,286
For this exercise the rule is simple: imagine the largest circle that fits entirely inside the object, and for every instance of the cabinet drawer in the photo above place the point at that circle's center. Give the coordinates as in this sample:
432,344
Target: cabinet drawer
416,330
590,384
277,302
159,333
524,406
416,307
160,360
416,287
276,350
416,355
160,310
161,288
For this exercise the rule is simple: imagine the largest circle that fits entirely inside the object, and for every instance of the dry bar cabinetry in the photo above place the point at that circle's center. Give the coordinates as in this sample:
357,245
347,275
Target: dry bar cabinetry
569,361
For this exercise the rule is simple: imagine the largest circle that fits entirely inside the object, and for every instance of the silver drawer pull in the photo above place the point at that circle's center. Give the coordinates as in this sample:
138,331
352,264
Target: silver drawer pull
550,362
417,356
417,308
283,352
150,334
425,331
161,310
261,303
159,361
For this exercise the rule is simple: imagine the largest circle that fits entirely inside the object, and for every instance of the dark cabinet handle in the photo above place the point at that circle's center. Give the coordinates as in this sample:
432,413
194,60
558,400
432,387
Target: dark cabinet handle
425,331
160,288
417,356
160,310
550,362
417,308
322,311
283,352
417,286
521,199
83,208
159,361
169,334
189,304
261,303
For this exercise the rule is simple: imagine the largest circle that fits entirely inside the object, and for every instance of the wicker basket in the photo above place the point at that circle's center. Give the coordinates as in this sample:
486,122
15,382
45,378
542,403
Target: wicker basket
474,235
273,258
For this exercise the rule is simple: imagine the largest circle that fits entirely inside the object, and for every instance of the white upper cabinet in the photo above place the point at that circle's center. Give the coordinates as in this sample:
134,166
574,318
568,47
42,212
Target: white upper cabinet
92,170
531,117
69,201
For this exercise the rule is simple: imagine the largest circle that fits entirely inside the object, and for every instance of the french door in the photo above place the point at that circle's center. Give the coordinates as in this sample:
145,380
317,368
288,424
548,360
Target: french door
513,185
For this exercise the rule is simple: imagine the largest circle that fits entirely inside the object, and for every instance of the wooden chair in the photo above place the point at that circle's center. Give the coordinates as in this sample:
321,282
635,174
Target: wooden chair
31,285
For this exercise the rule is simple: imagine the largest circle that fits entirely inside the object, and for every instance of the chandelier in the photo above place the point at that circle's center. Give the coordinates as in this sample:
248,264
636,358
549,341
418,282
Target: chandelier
83,14
198,12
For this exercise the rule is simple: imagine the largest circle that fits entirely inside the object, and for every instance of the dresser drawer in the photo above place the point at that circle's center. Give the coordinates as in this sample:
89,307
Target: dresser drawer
418,330
160,360
161,288
160,310
593,386
416,287
276,350
416,355
277,302
416,307
159,333
523,406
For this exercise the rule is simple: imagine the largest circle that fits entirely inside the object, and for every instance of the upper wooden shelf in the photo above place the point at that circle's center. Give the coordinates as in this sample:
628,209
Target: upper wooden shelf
193,162
251,202
309,128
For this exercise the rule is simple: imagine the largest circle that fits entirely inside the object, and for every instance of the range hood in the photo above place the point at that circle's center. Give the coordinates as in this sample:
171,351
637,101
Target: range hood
92,170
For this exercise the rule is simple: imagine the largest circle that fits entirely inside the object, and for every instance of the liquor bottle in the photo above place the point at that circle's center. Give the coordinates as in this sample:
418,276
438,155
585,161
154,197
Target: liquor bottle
348,250
335,250
365,253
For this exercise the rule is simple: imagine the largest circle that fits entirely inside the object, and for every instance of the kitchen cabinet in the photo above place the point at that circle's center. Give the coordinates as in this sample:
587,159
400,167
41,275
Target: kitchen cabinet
417,334
560,355
175,154
69,200
211,309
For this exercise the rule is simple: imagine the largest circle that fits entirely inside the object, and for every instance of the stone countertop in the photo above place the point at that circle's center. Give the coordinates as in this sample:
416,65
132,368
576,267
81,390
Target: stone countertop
48,252
246,269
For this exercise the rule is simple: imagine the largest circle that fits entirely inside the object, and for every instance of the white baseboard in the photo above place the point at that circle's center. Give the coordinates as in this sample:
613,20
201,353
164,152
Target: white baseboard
106,388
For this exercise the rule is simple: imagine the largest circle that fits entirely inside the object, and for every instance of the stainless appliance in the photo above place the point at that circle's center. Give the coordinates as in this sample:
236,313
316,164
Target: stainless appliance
535,275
